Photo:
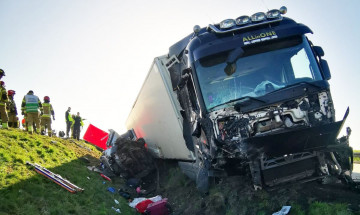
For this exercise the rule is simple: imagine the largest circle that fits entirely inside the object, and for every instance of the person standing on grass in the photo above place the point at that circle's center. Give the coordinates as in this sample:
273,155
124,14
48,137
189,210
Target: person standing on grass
77,123
12,110
68,120
31,105
3,103
47,111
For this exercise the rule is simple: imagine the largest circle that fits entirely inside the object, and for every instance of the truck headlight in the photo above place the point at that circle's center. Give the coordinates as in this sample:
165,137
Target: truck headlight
243,20
227,23
258,17
273,14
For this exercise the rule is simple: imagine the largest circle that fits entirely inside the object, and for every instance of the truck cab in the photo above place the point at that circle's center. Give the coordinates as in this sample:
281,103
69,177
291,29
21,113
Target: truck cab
252,97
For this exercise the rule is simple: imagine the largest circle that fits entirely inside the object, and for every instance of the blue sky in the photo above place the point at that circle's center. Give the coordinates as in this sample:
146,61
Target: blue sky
94,55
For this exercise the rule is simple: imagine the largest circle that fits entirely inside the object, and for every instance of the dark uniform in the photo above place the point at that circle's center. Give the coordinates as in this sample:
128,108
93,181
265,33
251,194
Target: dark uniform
77,123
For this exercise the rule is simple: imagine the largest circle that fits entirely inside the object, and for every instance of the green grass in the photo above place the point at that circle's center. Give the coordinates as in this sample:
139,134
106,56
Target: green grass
23,191
357,159
317,208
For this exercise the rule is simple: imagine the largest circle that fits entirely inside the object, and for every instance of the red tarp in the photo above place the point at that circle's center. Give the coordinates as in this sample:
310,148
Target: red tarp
96,136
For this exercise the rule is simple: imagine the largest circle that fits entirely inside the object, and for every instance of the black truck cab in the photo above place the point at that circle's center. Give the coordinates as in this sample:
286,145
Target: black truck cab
256,100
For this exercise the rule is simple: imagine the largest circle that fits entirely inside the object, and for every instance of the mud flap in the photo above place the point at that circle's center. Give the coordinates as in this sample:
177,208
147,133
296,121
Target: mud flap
202,180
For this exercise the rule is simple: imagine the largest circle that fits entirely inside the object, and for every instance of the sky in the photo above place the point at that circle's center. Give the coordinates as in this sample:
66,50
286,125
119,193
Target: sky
93,55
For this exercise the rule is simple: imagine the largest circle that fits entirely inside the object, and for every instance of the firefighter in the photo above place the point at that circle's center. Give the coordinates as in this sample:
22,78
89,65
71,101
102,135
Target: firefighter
31,105
77,123
72,120
2,73
3,101
68,120
47,110
12,110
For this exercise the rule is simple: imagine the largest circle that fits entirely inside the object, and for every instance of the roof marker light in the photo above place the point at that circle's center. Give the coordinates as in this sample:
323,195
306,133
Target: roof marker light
227,23
258,17
283,10
243,20
273,14
196,29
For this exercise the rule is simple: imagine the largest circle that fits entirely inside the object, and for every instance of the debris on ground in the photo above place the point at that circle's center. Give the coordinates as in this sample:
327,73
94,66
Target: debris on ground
140,191
161,207
104,176
95,169
111,189
117,210
128,158
284,210
155,205
124,194
56,178
143,176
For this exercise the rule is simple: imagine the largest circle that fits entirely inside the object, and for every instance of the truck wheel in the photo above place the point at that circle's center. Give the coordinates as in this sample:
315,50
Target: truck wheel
202,180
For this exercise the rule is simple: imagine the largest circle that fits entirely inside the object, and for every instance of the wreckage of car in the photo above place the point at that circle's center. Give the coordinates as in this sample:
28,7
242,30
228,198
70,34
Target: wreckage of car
245,96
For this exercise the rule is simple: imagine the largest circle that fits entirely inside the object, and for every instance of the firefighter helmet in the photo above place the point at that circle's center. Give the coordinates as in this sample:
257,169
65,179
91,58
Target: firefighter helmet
47,98
11,92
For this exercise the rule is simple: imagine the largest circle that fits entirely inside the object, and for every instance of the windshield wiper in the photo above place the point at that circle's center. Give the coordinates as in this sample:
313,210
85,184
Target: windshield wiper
292,85
241,101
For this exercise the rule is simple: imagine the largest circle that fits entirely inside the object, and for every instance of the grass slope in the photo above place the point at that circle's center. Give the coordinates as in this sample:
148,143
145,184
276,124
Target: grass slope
23,191
357,159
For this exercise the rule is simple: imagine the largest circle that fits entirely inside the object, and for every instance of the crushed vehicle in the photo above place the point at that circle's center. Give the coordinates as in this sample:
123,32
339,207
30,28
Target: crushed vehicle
245,96
126,156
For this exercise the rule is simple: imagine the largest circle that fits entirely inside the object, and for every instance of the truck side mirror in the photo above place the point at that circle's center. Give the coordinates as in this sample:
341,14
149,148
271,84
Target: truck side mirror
319,51
325,69
183,80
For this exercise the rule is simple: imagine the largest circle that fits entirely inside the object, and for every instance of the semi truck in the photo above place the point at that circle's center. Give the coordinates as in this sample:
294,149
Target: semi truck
247,96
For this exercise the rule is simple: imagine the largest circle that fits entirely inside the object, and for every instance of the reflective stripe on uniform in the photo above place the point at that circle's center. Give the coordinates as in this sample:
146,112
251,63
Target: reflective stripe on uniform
47,109
32,104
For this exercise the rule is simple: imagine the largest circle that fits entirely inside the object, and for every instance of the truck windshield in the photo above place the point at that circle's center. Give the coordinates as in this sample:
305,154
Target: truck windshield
262,68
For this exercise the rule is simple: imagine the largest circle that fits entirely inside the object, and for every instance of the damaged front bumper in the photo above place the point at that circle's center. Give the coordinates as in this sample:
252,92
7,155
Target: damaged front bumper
300,154
296,155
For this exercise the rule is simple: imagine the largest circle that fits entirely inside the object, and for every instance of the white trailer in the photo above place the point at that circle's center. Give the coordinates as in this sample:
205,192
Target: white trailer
155,115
